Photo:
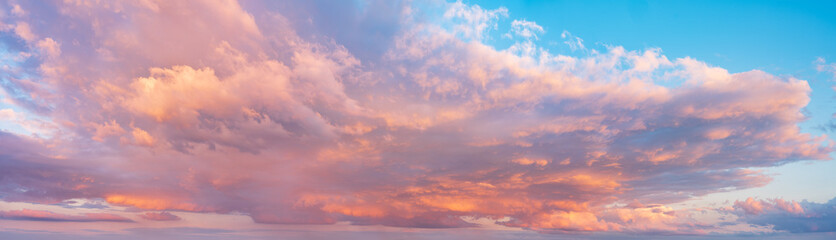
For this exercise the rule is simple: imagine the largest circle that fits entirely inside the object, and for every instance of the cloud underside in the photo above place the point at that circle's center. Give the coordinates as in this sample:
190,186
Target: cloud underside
267,109
789,216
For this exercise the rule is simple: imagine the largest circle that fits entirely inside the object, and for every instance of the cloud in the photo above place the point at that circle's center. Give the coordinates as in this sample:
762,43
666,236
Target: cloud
788,216
757,207
22,123
159,216
472,21
16,10
823,66
526,29
46,216
23,30
218,107
30,174
574,42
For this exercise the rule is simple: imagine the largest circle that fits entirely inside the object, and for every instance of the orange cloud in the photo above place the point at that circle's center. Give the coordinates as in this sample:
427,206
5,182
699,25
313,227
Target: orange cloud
228,109
153,203
753,206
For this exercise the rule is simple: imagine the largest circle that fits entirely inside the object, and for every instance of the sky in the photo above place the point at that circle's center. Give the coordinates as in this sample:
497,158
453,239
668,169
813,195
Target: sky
417,119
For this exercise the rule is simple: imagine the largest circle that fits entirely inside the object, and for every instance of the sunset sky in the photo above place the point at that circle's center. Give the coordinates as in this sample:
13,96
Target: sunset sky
261,119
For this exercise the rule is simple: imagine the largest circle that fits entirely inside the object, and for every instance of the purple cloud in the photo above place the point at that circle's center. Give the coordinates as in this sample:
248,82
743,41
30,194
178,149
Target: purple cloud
790,216
38,215
159,216
219,107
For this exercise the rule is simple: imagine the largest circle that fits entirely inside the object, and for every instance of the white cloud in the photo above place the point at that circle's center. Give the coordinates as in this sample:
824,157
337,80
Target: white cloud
574,42
473,22
526,29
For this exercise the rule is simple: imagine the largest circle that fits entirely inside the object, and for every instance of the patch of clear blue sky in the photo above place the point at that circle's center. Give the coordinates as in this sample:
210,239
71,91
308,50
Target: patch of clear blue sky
9,64
778,37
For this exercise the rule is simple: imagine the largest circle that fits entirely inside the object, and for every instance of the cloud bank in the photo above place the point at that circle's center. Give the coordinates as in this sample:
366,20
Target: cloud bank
788,216
269,110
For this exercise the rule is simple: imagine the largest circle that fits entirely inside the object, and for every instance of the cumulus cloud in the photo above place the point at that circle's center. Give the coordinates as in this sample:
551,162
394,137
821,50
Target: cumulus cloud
757,207
215,107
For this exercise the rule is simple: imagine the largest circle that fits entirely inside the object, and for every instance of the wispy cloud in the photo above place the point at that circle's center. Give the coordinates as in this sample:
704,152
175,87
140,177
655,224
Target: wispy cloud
37,215
159,216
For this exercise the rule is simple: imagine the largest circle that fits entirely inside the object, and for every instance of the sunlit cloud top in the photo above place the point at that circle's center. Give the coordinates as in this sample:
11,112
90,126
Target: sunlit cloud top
398,115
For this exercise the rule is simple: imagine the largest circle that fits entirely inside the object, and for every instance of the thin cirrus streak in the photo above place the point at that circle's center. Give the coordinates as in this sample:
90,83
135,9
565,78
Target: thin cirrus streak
254,109
36,215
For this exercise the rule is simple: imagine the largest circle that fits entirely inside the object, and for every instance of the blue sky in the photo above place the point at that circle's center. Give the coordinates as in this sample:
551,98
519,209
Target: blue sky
783,37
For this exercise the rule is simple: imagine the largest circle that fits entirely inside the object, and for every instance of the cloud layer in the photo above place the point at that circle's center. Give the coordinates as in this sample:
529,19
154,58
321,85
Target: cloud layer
36,215
261,109
788,216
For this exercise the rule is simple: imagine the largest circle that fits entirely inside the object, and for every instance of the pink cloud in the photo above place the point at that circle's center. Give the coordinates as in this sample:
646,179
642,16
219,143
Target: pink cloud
214,107
786,216
756,207
39,215
159,216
